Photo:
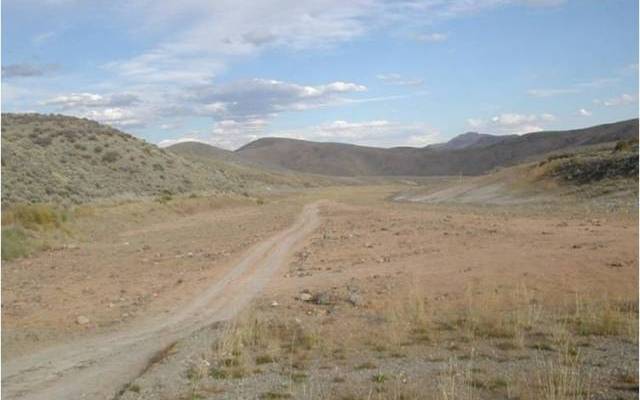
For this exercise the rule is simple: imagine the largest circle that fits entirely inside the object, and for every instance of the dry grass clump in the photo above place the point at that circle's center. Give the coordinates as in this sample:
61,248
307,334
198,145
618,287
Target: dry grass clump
513,315
23,228
489,325
603,317
563,379
251,341
34,216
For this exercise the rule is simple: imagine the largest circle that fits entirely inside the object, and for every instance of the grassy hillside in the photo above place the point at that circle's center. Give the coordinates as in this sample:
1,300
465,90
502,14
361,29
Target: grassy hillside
60,159
350,160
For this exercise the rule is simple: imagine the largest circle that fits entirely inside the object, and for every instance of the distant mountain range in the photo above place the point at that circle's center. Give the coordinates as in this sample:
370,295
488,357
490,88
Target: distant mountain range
470,139
468,154
55,158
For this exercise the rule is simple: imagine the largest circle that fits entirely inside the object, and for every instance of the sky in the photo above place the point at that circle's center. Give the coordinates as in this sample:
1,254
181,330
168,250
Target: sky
369,72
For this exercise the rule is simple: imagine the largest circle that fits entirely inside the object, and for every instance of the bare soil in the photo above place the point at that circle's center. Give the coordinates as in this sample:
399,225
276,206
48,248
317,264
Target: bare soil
363,254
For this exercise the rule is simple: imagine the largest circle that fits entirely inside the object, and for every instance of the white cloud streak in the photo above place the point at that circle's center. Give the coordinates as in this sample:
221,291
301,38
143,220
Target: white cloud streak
397,79
512,123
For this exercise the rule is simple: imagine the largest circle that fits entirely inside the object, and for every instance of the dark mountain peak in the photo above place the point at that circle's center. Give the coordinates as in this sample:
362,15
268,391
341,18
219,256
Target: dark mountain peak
471,153
470,139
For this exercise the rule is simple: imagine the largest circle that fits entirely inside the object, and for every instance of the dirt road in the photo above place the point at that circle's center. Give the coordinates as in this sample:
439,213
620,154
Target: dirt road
96,368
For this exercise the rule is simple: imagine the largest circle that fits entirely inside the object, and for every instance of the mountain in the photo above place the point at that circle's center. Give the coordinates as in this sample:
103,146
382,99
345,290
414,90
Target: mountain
56,158
215,157
351,160
470,139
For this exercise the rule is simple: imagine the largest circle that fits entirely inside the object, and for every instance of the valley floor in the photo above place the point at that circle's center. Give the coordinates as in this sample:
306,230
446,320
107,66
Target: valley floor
382,300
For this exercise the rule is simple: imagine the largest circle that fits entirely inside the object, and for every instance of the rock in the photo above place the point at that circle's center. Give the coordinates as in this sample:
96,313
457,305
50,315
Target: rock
355,299
82,320
274,304
305,296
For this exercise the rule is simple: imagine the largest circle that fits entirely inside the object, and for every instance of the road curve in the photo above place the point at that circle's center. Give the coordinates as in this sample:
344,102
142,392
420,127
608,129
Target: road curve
97,367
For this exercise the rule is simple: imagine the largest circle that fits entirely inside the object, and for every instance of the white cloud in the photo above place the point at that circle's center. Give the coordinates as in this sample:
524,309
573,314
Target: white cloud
262,98
82,100
597,83
573,89
512,123
550,92
117,109
584,112
622,100
113,116
43,38
431,37
397,79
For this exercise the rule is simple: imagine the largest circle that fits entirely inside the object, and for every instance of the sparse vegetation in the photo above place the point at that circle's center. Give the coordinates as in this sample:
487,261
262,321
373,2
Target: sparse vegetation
16,243
59,159
110,156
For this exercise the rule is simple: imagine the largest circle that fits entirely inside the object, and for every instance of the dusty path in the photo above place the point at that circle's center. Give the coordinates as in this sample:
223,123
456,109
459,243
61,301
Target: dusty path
98,367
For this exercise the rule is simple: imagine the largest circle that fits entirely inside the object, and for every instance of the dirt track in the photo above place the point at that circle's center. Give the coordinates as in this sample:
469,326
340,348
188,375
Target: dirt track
95,368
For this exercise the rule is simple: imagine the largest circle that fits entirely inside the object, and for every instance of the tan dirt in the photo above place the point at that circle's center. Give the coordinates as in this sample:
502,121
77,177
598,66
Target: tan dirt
96,367
360,241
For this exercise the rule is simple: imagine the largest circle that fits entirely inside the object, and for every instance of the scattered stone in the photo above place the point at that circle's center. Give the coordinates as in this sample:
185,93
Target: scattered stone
615,264
355,299
274,304
82,320
305,296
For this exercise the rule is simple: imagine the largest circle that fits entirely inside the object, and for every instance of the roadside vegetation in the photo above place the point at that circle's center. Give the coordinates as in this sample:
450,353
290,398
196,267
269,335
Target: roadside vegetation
29,227
506,344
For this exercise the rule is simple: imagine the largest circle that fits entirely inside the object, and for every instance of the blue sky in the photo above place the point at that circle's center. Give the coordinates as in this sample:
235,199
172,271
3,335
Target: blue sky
365,71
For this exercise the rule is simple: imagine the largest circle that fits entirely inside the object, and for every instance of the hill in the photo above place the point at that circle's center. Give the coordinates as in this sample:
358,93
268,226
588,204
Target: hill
604,176
245,170
470,139
201,150
351,160
55,158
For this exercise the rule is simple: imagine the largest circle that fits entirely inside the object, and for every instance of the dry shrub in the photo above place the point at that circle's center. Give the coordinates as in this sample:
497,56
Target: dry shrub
34,216
604,317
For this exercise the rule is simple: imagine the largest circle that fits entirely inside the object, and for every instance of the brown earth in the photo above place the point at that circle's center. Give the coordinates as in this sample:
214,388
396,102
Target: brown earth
366,254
